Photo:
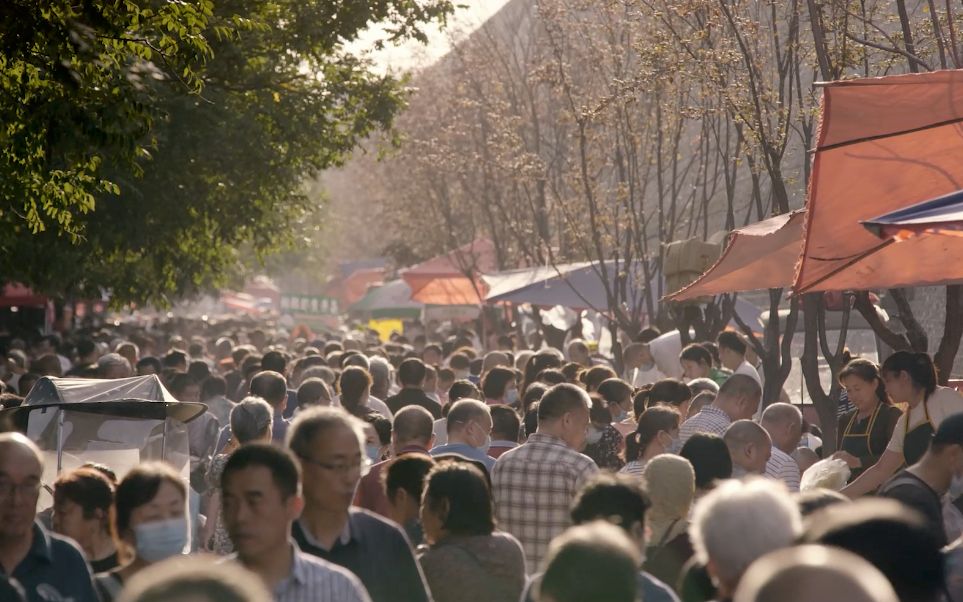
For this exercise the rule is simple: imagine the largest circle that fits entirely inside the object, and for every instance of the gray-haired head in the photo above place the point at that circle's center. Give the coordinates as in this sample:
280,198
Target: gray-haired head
113,365
250,419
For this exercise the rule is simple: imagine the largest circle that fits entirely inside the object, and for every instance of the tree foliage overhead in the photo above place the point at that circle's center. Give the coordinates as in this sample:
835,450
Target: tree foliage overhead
146,141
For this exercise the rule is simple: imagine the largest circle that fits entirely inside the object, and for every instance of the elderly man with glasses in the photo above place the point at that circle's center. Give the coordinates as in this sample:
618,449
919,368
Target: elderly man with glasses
329,443
47,566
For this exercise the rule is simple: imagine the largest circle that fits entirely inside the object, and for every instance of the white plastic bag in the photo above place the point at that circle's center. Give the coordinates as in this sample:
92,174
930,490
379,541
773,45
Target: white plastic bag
831,473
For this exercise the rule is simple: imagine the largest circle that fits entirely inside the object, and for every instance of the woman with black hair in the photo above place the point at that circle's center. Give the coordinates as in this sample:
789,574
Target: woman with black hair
864,432
466,559
910,378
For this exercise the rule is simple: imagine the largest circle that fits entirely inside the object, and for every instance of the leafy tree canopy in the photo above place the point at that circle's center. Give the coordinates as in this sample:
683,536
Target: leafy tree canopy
146,141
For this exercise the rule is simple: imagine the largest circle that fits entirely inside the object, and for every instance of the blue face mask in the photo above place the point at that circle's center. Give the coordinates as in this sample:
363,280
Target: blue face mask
621,416
373,452
160,539
511,398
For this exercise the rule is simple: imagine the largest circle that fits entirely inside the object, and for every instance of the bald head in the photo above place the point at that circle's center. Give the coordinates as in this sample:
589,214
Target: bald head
783,421
749,446
412,426
813,573
739,396
21,470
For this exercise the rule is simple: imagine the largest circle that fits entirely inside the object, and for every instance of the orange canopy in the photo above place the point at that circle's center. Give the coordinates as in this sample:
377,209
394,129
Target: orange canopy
883,144
759,256
454,278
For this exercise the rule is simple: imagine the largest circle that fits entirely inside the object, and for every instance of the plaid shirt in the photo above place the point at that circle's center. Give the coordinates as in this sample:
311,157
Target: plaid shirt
709,420
534,485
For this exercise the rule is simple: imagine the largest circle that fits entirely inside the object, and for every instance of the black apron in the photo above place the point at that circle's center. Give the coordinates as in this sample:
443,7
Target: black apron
917,440
857,444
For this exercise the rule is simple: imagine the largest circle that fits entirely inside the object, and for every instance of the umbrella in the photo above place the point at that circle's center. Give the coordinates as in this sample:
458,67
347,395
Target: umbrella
943,215
573,285
759,256
884,145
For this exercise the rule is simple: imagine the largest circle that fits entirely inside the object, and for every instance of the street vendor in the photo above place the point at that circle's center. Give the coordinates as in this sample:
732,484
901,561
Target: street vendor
864,432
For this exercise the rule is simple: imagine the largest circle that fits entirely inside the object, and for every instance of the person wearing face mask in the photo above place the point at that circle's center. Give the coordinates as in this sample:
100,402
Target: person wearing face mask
656,433
377,433
150,523
499,387
603,442
618,394
940,470
469,432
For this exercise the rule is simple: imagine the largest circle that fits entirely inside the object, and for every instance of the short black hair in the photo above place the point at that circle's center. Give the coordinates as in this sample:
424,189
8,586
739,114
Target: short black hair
270,386
88,488
619,499
180,381
709,457
408,472
138,487
274,360
213,386
465,488
893,537
151,361
496,381
381,425
505,423
199,370
463,389
694,352
732,340
531,419
174,358
411,372
561,399
279,462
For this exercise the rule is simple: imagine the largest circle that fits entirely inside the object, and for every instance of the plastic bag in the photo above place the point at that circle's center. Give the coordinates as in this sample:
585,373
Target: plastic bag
831,473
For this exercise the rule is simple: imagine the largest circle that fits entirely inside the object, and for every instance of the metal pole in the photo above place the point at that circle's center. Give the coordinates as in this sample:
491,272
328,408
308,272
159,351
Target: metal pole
60,439
164,442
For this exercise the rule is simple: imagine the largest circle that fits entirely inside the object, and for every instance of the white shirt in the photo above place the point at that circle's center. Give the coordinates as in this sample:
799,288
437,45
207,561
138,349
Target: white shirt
639,377
942,403
749,370
782,467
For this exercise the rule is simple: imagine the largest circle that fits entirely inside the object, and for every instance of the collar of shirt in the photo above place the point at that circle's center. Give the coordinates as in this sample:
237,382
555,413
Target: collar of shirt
40,546
298,569
546,439
712,409
343,539
413,449
504,443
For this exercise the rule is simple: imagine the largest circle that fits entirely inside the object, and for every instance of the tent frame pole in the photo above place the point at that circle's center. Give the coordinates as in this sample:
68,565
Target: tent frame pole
60,439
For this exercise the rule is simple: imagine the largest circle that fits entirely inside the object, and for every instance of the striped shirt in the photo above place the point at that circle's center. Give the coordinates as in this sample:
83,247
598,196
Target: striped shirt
316,580
709,420
634,468
534,485
782,467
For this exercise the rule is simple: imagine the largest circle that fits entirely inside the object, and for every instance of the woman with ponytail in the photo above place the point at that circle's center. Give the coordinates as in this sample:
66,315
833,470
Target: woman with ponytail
864,432
910,378
656,433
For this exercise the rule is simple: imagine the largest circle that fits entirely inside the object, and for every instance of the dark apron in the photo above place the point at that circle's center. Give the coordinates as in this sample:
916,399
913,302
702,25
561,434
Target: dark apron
917,440
857,444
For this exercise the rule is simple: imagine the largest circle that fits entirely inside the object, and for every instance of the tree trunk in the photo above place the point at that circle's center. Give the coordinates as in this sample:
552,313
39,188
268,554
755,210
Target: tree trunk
952,331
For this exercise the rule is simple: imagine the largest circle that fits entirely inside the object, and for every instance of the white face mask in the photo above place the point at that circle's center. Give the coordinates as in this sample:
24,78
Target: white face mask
956,487
593,436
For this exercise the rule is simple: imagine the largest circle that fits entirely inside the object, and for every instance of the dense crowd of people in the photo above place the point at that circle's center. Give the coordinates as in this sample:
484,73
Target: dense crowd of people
445,469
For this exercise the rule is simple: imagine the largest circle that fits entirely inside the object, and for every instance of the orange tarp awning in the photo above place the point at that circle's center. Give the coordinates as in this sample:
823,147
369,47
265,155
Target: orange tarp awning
883,144
454,278
758,256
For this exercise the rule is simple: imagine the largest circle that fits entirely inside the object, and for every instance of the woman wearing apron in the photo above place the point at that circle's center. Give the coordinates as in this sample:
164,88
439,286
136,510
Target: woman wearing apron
864,432
910,378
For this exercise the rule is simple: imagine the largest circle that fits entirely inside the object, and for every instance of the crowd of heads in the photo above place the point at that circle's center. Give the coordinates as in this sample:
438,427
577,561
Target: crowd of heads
294,425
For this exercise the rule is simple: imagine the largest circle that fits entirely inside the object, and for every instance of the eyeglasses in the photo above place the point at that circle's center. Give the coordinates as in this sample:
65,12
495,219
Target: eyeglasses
8,489
361,466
